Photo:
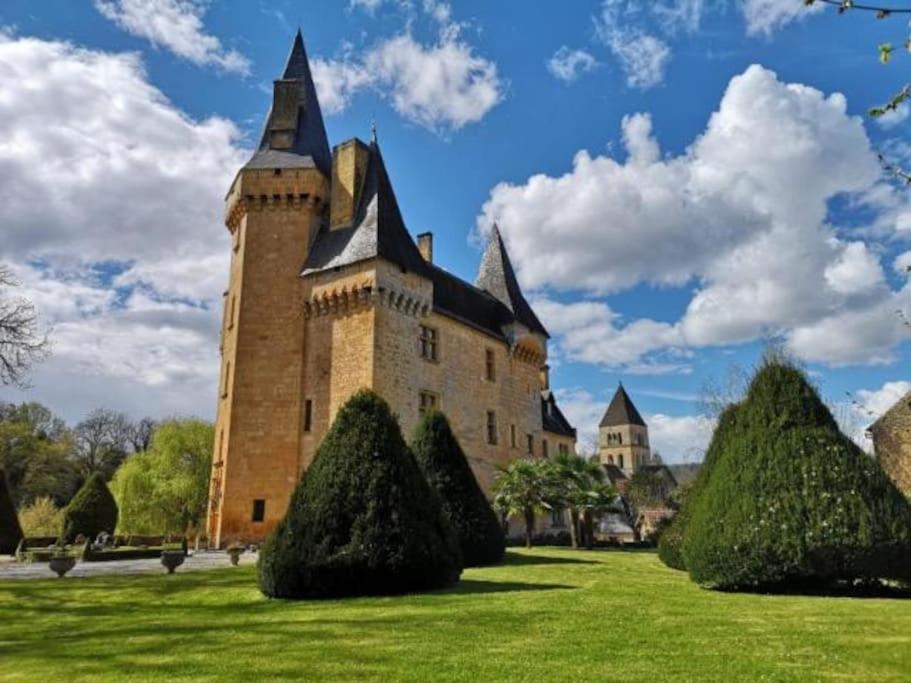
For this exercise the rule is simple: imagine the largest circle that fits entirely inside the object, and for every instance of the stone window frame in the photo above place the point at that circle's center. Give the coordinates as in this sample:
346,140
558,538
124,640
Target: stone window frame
429,343
490,365
492,430
424,406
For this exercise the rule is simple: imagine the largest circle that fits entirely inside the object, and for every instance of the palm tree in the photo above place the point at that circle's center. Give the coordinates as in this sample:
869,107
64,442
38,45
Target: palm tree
598,500
522,489
574,479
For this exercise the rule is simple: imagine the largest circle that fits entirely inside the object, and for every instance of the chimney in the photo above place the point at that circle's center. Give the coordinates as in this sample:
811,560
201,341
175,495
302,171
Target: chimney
545,377
425,246
286,104
349,163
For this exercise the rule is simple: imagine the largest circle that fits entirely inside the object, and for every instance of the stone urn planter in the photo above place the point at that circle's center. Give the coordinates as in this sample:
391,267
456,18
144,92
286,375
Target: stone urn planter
172,559
61,564
234,552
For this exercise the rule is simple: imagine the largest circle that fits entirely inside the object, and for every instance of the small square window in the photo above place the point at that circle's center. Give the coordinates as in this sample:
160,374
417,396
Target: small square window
259,510
428,401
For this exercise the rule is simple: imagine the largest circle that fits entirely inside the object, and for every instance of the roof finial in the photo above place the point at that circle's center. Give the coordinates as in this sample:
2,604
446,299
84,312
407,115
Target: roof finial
373,129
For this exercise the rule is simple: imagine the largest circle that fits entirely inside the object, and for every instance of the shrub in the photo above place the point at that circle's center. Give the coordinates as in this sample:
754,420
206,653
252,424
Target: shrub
41,518
443,463
91,511
670,542
362,520
791,501
10,531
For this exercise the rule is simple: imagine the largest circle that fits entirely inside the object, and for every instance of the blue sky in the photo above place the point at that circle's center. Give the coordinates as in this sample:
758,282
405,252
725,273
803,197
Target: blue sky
715,206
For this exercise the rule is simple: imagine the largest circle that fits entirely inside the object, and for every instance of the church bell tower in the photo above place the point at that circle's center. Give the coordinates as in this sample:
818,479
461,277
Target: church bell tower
274,208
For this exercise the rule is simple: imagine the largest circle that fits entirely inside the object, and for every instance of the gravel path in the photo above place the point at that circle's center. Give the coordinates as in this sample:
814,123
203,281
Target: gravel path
198,561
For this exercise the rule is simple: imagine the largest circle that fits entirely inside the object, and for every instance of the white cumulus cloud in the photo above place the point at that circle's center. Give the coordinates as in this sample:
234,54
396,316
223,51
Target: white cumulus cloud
767,16
175,25
741,214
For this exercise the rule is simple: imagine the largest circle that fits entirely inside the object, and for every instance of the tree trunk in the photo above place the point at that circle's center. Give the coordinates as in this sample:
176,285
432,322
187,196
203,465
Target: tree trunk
574,527
588,523
529,526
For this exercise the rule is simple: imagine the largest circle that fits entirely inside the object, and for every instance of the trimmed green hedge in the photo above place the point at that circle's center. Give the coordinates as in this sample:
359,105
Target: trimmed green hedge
670,542
91,511
363,520
443,463
10,531
791,501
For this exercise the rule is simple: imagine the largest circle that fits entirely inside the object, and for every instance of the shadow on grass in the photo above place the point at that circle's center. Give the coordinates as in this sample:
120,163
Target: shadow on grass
513,558
467,586
830,590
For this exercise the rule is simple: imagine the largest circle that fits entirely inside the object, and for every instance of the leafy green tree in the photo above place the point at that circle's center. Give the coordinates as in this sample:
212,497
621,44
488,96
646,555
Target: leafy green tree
363,520
41,518
165,489
10,531
791,500
446,468
34,450
522,489
91,511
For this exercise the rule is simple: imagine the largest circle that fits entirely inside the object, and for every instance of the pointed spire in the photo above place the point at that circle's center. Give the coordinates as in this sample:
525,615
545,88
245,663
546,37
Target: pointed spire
498,277
294,134
621,411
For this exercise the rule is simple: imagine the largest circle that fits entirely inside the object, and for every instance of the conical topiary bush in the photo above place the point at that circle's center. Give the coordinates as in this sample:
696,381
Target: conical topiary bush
670,543
792,502
91,511
443,462
363,520
10,531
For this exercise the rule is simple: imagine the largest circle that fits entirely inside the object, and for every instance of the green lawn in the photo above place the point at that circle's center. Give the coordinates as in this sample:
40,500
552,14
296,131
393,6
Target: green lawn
545,615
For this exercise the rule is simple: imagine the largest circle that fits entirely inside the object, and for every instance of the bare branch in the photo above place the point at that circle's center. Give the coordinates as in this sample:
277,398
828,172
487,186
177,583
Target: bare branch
22,343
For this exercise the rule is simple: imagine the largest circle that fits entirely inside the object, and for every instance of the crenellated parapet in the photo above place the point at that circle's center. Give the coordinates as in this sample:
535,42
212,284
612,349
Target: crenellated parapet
350,297
301,189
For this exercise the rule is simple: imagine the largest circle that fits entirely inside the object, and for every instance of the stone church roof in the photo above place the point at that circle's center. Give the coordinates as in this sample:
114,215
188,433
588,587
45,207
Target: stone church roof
310,147
621,411
498,277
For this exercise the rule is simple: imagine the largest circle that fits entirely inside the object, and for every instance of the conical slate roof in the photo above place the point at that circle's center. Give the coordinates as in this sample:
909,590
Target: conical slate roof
621,411
377,229
310,147
498,277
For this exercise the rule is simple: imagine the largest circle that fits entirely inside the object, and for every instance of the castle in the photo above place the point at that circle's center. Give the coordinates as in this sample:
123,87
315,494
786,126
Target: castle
328,293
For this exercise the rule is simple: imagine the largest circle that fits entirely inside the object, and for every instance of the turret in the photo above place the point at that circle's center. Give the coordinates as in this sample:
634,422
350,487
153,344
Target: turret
274,209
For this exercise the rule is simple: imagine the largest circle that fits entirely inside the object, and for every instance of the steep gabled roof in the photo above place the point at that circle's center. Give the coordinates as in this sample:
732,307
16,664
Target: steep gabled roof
498,277
377,228
310,147
552,417
621,411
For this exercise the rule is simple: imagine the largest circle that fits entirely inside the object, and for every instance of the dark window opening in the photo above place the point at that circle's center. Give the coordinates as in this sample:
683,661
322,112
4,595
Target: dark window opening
491,428
259,510
308,415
